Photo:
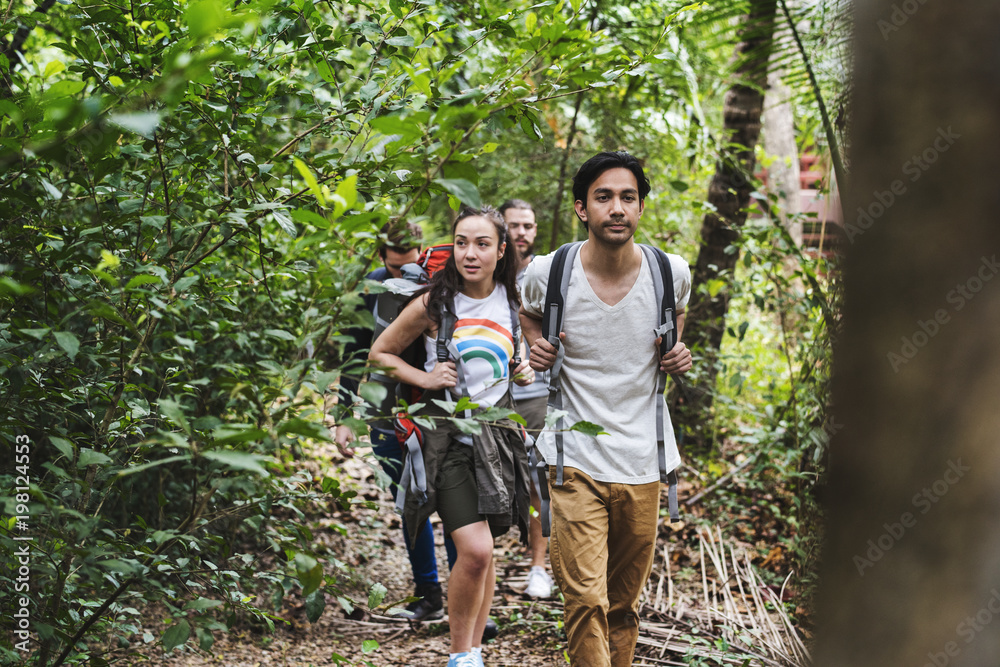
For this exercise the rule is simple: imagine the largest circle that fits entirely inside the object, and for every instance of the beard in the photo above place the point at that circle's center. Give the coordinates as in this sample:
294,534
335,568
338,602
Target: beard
528,252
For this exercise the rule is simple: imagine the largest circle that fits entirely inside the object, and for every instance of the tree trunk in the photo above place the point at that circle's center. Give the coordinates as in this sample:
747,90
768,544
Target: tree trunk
910,571
779,143
729,196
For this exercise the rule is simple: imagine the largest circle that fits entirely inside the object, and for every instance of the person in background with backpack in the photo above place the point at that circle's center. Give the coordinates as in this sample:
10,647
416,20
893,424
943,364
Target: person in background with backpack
401,247
477,484
530,401
605,489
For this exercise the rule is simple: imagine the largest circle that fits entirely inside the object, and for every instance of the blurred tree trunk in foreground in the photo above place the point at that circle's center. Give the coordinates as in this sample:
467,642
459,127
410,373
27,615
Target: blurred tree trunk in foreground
911,571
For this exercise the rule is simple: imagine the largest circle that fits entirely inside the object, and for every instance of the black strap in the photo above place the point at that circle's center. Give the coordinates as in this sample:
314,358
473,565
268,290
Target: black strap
555,295
552,319
668,303
446,329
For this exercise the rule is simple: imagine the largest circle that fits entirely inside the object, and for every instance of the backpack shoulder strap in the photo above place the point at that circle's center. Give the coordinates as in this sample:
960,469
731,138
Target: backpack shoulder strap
555,291
515,330
446,329
663,285
552,319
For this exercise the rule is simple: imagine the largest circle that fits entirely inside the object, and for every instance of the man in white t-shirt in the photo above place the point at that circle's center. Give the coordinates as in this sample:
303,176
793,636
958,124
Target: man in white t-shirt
531,400
604,515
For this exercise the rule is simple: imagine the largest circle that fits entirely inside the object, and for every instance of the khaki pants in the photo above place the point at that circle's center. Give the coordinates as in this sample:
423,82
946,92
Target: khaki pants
603,538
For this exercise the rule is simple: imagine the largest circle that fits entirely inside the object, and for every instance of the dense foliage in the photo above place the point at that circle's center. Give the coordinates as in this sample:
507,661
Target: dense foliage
191,195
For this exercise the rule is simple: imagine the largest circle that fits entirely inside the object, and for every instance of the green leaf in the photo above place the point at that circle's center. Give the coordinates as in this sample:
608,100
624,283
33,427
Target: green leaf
553,417
201,604
373,393
152,464
174,411
10,287
237,460
315,604
143,124
64,446
176,635
465,403
464,190
185,282
285,222
54,67
467,426
279,333
306,216
68,342
310,180
376,594
142,279
90,457
205,639
37,334
589,428
369,645
346,196
309,572
206,17
530,21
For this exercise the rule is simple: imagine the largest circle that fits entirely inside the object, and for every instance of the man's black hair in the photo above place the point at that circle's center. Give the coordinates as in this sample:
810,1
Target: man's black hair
590,170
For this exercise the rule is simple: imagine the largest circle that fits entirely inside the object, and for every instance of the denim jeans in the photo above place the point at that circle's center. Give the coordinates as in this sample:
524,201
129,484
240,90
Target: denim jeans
423,560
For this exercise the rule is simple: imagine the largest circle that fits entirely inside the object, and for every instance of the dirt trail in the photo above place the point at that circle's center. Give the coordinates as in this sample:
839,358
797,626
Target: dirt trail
681,610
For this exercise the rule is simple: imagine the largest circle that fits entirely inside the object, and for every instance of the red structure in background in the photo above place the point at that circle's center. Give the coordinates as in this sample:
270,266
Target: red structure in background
820,204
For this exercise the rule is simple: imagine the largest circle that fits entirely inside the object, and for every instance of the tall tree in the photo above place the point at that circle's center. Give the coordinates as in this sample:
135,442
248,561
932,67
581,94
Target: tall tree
910,574
728,198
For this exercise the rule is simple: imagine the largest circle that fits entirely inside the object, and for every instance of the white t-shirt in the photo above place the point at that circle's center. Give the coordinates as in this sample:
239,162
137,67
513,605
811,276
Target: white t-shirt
609,374
485,345
538,388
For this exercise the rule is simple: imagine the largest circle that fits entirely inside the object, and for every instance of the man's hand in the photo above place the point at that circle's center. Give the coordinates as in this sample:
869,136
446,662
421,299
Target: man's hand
343,436
677,360
543,353
442,376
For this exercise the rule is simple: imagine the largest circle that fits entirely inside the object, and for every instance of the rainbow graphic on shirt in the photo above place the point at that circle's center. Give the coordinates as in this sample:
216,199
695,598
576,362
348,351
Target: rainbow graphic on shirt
482,342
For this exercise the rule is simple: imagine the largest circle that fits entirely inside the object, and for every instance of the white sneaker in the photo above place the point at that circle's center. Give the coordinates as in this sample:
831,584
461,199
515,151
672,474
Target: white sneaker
539,583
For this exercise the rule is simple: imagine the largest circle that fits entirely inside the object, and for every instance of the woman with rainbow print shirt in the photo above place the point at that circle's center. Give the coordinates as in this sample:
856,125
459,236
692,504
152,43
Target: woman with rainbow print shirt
477,485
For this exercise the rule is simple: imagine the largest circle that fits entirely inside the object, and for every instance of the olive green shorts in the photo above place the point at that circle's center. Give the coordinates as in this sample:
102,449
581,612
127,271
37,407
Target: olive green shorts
457,493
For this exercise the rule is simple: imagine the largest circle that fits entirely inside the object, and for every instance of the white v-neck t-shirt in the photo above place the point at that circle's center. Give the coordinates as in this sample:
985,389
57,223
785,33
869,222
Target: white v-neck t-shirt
608,376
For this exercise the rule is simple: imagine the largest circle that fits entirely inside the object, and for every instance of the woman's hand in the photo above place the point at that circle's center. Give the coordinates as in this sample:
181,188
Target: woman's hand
443,376
523,374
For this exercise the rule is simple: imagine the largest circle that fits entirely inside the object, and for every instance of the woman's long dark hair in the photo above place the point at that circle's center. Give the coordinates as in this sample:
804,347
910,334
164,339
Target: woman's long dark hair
447,282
